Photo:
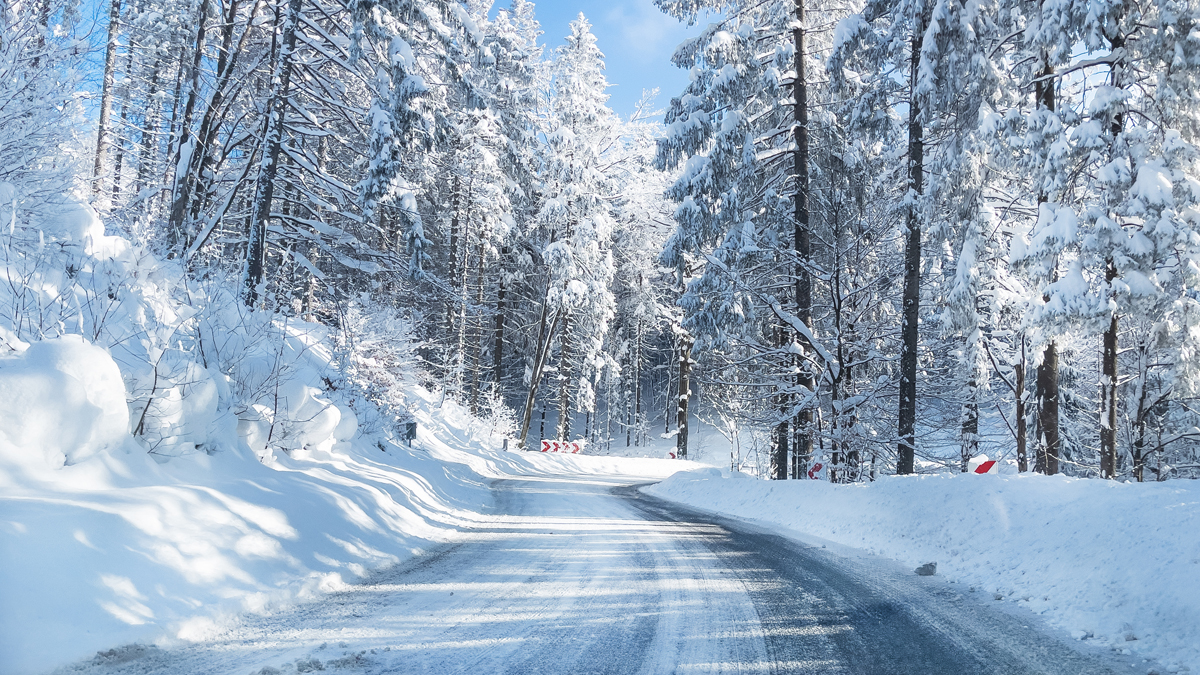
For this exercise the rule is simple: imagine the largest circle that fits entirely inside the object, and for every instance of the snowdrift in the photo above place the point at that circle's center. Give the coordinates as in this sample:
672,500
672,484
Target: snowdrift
1114,562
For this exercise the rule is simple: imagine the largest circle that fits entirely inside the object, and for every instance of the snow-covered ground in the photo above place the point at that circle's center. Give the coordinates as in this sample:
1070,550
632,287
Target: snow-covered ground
1106,561
117,548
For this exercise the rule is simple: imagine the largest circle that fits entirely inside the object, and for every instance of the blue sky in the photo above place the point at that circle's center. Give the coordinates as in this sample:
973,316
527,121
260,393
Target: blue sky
637,40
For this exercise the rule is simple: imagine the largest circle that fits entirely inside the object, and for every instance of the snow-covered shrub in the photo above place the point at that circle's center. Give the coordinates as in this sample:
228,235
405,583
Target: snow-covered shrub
64,402
379,363
500,419
40,115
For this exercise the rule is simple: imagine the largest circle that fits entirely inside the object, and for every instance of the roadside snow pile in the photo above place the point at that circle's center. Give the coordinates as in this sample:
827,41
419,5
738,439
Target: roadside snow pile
63,402
1116,562
104,541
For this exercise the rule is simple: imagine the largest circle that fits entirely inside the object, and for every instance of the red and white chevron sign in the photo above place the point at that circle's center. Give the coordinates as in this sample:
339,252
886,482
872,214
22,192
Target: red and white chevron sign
572,447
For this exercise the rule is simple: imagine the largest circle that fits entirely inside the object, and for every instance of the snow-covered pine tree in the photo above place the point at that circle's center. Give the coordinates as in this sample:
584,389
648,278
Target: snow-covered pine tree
741,134
1137,138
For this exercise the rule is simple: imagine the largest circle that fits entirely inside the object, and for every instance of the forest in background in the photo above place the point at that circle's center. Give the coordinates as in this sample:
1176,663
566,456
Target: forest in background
880,237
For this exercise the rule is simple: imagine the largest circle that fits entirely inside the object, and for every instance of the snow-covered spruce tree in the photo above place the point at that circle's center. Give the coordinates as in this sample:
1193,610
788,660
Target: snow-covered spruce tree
488,111
575,219
867,46
1046,32
515,73
963,89
741,133
480,225
640,339
952,93
1137,137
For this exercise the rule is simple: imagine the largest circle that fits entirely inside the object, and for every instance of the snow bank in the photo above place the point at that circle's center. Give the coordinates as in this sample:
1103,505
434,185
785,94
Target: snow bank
1116,562
103,543
121,547
64,400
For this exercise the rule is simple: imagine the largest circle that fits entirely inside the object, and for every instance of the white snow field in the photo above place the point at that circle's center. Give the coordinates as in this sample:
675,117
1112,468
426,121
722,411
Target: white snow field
1111,563
118,548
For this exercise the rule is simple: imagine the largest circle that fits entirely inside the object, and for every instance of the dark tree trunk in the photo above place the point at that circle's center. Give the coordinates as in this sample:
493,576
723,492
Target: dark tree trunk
681,414
564,383
184,149
148,152
637,386
1108,391
803,243
909,330
452,262
1019,386
1141,419
780,434
1108,378
498,343
1047,386
478,336
121,145
1047,373
970,425
256,247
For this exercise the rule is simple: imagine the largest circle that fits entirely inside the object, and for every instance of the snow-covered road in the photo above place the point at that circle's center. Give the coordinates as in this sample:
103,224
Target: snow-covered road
587,575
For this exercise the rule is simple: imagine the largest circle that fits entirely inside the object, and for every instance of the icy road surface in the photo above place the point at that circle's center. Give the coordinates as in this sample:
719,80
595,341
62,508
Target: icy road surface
587,575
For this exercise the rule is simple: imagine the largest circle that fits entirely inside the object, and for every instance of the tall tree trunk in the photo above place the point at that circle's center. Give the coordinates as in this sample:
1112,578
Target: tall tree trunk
1108,390
498,344
44,9
564,381
970,425
667,395
909,330
1140,420
1047,373
1108,377
685,393
121,145
1019,386
637,386
148,152
780,434
542,430
803,243
186,146
546,327
256,246
106,96
478,337
1047,386
460,354
452,268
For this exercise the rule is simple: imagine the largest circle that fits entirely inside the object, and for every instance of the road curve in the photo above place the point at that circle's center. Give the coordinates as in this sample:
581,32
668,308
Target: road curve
588,575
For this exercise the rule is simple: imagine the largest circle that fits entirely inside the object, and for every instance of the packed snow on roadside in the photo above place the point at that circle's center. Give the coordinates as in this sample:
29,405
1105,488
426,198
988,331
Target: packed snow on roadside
1106,561
114,547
